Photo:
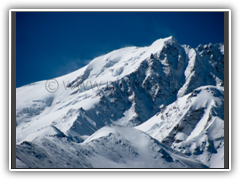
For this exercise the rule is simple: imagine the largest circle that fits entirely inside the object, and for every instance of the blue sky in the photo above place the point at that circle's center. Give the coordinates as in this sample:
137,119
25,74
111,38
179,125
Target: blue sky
51,44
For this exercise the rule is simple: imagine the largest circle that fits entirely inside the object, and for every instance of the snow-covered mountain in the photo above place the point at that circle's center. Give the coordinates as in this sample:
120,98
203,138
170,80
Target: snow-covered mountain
155,107
193,125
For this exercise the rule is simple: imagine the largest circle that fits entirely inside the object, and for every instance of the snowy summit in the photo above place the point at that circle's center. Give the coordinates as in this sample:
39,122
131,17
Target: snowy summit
160,106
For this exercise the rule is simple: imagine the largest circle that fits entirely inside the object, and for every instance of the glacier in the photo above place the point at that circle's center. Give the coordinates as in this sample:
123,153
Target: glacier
159,106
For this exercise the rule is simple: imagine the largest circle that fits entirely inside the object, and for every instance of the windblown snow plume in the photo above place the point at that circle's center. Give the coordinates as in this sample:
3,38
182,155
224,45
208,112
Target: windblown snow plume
160,106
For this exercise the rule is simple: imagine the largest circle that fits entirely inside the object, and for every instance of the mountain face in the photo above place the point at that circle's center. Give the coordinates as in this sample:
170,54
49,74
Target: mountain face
151,107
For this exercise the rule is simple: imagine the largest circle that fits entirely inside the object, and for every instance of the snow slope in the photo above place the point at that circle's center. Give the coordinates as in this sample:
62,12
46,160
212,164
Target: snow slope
109,147
193,125
128,87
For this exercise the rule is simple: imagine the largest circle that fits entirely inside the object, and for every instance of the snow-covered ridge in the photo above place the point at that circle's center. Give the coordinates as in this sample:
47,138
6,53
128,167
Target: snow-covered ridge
110,147
132,86
185,125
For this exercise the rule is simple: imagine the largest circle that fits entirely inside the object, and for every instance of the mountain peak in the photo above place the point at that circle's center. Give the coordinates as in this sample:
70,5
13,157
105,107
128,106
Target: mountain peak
170,40
167,40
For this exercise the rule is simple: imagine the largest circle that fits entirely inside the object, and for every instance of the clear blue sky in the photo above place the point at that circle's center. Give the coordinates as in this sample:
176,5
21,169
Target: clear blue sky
51,44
